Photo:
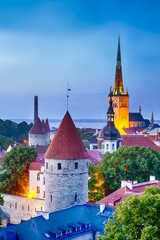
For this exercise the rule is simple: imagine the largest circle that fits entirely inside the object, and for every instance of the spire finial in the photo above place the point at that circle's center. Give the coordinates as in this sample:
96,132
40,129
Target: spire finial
152,119
68,90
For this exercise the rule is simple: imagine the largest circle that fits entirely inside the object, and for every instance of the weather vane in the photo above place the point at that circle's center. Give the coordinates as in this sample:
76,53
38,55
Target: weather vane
68,90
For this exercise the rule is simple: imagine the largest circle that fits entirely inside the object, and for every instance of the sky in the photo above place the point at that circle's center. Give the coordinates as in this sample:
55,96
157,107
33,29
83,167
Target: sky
46,44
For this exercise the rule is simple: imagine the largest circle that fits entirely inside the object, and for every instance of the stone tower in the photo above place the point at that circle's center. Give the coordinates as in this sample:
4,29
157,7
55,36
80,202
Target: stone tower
66,168
39,134
120,97
109,138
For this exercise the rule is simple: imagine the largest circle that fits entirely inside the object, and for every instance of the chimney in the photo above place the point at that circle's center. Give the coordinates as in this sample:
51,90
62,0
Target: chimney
152,178
35,108
102,207
125,183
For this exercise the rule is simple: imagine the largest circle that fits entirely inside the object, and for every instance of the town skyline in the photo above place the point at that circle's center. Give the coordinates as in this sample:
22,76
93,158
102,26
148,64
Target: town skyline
44,46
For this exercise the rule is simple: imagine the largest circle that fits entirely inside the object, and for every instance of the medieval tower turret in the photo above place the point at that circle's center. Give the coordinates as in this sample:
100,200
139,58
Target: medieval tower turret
66,168
120,97
40,132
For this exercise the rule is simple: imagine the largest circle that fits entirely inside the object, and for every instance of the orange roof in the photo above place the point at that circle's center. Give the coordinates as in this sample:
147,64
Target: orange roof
67,143
37,128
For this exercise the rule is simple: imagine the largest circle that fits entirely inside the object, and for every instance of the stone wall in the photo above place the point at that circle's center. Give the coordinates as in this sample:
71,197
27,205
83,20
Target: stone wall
21,208
67,186
87,236
38,139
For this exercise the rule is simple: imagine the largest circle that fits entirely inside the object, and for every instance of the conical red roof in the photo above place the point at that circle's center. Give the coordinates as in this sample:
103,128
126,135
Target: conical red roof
47,125
37,128
67,143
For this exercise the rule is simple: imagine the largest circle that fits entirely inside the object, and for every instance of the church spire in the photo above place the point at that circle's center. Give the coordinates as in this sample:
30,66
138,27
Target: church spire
118,85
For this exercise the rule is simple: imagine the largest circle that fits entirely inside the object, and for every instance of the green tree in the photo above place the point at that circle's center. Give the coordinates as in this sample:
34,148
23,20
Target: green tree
128,163
136,218
5,142
14,177
95,192
1,204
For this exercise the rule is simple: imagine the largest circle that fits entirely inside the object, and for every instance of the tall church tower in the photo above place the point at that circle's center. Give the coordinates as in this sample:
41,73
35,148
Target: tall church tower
66,168
120,97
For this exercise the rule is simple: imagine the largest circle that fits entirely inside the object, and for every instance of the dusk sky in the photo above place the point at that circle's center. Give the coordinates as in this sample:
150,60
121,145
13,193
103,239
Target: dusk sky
45,44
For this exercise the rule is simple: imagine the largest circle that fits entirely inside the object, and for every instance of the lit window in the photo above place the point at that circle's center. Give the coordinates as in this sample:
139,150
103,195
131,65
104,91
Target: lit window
38,177
59,166
28,207
76,165
38,189
47,235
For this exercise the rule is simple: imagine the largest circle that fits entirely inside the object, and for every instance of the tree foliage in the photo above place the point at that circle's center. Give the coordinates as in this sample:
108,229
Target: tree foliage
136,218
95,192
17,132
127,163
14,175
5,142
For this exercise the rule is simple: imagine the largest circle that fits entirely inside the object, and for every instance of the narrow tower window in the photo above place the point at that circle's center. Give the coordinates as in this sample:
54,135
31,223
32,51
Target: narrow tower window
46,165
76,165
59,166
76,197
51,198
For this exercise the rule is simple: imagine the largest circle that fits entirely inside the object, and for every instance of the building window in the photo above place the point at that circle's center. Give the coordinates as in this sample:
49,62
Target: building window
68,231
58,235
38,189
76,165
51,168
10,205
59,166
87,225
28,207
41,209
87,164
38,177
112,146
78,228
75,198
22,207
43,194
35,209
51,198
44,181
46,165
107,146
15,205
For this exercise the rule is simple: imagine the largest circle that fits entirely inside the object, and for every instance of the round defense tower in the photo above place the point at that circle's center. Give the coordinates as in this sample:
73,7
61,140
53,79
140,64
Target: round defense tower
66,169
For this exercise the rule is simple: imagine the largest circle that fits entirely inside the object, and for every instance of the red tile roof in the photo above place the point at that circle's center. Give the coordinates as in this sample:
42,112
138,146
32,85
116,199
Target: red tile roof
125,192
94,156
133,130
41,149
139,140
36,166
37,128
47,125
66,143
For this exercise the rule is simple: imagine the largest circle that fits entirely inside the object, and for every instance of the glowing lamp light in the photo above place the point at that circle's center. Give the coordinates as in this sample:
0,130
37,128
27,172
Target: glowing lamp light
31,194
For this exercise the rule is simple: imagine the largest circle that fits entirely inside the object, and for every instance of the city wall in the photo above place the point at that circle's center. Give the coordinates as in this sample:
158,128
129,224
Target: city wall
21,208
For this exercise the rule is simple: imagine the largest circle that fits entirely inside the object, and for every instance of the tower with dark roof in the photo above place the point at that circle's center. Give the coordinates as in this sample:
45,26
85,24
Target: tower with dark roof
40,132
120,97
109,138
66,168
